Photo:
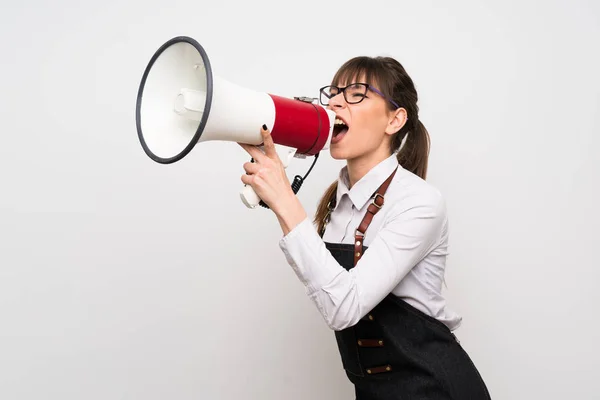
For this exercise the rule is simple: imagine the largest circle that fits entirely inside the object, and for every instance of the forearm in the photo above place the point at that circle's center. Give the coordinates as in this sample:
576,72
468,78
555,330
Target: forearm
332,289
343,297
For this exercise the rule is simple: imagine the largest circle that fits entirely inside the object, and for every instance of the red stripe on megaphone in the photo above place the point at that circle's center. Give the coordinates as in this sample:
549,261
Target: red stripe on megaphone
301,125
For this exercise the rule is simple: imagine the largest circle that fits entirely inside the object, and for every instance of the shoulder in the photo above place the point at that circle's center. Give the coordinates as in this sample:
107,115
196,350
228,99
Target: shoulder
409,192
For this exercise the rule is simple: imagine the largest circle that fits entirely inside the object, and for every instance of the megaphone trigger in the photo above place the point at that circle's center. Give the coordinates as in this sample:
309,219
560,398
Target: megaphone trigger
287,158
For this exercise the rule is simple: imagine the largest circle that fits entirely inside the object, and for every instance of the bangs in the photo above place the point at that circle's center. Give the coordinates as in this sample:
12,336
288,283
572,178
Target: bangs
361,69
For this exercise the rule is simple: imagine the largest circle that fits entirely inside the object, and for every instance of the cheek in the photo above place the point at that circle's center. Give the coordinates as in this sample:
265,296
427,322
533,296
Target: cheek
368,130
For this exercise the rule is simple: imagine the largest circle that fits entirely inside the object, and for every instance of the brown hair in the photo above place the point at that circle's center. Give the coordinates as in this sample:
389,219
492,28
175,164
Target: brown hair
392,80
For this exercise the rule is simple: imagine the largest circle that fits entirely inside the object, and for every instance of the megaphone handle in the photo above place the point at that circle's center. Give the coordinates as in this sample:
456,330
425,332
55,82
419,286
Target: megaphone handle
249,196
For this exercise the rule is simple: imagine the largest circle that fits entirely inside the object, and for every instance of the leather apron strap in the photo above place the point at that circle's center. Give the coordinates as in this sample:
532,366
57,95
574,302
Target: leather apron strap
374,207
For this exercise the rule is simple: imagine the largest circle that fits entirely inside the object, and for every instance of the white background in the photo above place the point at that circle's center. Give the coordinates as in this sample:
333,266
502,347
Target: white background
121,278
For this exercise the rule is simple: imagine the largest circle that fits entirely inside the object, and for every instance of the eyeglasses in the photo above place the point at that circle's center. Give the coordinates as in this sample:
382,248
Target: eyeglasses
353,94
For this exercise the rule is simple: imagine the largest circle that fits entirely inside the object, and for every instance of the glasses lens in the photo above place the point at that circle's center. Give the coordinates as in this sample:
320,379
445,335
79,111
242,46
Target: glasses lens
327,93
355,93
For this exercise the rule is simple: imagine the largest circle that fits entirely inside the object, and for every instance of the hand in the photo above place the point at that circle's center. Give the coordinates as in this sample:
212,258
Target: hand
267,175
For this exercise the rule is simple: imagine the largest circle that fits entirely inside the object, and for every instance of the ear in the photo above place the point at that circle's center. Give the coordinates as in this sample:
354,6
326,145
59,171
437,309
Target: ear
397,120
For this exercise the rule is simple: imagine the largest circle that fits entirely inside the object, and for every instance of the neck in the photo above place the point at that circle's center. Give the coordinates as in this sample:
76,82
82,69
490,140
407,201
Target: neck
360,166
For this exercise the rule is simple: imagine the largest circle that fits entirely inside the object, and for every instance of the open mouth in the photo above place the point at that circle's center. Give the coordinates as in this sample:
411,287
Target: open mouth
340,127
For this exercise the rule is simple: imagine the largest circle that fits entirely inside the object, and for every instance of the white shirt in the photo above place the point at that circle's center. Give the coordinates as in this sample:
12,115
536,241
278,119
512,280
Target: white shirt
407,244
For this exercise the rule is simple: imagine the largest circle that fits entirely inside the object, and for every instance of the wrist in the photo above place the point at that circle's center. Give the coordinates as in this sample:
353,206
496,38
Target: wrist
289,212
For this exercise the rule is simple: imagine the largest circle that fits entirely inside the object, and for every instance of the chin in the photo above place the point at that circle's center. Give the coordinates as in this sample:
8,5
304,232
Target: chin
336,156
338,153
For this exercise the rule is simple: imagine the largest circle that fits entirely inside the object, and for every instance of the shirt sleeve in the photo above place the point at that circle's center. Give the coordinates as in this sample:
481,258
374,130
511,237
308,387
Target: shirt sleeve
410,232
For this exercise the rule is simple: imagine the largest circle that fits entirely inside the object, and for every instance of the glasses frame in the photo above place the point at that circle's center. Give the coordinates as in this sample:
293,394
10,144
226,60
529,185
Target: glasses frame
343,91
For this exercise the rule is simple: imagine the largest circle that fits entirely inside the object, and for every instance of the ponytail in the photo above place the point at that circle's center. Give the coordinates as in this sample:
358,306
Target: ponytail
322,214
414,155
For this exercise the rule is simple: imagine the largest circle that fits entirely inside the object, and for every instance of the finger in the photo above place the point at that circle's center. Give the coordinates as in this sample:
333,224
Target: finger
251,168
254,151
268,143
252,180
247,179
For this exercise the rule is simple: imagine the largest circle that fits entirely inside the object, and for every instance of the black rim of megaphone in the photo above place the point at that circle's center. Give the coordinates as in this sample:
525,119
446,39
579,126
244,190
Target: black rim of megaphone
209,93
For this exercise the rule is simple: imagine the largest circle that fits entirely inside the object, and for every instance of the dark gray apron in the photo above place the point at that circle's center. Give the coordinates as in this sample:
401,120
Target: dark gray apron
398,352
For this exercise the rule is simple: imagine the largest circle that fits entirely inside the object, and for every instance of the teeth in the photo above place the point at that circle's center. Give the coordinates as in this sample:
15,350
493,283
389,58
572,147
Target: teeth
339,122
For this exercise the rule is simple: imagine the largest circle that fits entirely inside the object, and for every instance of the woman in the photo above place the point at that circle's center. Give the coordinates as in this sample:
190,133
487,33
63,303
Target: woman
391,323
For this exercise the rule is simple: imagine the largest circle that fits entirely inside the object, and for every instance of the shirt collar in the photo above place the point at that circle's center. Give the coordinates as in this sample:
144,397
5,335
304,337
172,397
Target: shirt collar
364,189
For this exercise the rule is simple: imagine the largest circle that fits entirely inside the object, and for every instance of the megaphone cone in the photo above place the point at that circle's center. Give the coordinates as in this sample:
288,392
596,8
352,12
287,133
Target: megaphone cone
181,102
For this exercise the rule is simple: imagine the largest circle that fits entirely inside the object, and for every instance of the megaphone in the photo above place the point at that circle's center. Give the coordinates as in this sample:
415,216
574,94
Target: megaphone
181,103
